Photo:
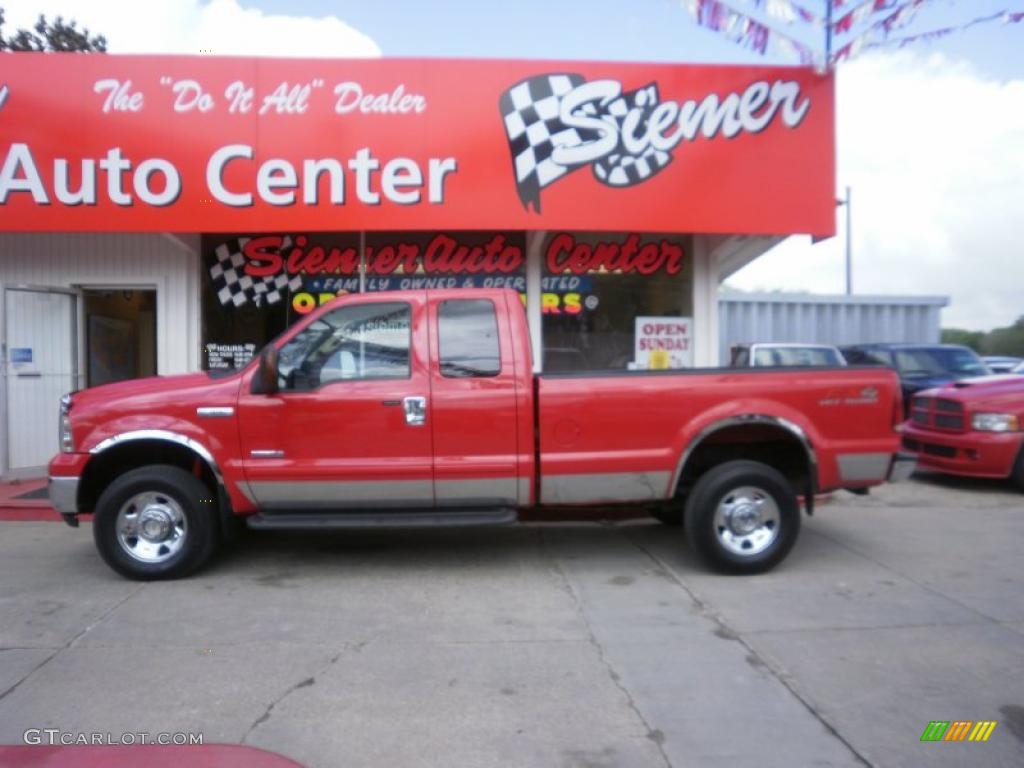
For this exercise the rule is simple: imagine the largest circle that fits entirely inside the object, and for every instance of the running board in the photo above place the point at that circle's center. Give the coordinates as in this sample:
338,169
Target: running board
299,521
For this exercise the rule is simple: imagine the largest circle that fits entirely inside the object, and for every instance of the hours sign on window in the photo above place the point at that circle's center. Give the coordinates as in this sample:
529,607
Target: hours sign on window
663,342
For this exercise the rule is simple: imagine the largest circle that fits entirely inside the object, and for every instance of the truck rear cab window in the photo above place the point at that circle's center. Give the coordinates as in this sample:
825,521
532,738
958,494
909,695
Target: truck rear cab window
362,341
467,331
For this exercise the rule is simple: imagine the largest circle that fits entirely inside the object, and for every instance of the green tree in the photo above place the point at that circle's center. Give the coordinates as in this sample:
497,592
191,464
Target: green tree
999,341
1006,341
973,339
57,35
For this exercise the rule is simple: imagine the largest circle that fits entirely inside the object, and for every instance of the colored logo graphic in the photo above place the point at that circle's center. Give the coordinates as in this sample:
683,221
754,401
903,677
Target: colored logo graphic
958,730
558,123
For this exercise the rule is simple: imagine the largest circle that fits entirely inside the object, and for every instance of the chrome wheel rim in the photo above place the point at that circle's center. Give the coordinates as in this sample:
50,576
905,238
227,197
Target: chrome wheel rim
747,521
151,527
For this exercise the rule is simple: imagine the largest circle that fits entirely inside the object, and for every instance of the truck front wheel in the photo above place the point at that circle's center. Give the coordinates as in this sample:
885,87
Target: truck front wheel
155,522
742,517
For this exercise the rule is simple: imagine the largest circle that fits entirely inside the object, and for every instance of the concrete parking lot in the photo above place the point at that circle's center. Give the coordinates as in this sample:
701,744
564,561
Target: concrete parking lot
565,645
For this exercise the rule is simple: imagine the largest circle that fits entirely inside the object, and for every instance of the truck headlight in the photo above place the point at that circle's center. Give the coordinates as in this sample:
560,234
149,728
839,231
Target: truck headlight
995,422
67,443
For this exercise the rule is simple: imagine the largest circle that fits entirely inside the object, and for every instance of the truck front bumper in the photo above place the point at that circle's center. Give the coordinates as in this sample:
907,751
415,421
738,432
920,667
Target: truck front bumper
970,454
63,492
65,472
902,467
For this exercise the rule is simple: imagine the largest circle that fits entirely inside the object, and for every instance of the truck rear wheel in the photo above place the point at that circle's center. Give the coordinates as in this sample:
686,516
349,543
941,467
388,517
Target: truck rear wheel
155,522
742,517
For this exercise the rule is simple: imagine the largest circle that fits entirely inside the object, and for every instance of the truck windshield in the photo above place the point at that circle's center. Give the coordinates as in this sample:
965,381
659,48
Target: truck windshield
959,362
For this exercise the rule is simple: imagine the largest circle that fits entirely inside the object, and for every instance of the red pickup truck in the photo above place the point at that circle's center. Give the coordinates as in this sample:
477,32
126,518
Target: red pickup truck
421,408
972,427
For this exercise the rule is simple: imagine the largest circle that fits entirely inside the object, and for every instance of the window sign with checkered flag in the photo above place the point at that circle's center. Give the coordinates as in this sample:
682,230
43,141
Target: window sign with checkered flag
234,287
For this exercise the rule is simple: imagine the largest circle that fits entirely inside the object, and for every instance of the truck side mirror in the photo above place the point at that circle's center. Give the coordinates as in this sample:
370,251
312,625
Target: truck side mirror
265,380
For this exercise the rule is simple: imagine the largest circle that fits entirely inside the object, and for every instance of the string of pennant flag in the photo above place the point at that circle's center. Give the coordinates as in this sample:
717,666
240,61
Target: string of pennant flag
823,32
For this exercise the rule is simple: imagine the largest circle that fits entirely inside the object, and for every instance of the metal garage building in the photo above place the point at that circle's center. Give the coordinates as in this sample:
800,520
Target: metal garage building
827,319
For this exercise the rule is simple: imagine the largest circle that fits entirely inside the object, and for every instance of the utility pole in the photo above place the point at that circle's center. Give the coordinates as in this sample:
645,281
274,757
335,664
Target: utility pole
849,241
828,35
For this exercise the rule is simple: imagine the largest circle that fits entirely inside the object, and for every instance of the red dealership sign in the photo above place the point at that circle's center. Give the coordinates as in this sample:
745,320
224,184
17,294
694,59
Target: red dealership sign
200,144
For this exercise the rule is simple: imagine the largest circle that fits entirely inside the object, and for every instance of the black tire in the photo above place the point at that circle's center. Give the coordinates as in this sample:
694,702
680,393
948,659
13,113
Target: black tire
174,489
1018,471
708,539
669,514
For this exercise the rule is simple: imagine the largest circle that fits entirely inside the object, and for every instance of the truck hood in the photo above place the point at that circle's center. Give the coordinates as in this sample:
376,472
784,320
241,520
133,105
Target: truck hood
137,390
917,383
1002,394
157,402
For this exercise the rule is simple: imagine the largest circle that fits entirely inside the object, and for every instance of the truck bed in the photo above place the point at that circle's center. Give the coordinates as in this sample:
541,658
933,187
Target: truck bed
623,436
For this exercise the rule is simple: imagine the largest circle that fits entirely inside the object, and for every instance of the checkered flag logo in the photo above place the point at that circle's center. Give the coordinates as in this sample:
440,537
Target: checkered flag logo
234,287
531,112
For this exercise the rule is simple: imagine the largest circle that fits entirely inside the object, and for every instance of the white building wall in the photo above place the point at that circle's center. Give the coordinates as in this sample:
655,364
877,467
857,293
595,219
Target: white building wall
166,263
705,303
102,260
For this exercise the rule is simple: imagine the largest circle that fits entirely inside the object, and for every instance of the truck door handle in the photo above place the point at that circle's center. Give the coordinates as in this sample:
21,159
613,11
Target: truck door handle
390,402
415,411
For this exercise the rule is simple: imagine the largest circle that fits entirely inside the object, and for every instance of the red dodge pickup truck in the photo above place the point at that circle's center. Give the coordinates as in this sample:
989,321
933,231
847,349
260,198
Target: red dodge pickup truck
421,408
972,427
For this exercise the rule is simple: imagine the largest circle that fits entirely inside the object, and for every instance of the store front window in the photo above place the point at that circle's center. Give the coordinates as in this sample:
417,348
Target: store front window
616,302
609,301
257,285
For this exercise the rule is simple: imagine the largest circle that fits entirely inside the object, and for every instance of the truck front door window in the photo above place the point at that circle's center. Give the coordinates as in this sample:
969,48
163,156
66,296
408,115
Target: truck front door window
468,336
363,341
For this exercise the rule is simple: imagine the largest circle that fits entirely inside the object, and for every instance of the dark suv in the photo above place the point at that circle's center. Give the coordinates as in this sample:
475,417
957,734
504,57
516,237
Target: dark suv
920,366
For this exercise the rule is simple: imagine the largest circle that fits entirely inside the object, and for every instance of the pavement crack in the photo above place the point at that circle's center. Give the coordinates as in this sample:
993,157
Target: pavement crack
102,617
70,643
723,630
305,682
653,734
871,628
901,574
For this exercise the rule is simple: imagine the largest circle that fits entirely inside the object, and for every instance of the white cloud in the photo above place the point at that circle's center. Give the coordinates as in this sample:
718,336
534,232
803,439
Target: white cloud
190,26
935,155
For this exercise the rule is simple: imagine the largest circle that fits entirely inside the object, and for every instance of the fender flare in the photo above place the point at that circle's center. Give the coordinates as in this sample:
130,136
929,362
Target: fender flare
167,436
746,420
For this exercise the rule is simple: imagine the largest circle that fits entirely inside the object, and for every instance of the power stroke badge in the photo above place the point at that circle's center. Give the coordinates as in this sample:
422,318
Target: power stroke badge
559,123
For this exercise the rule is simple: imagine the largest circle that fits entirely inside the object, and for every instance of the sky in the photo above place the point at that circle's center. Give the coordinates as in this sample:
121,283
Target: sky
929,138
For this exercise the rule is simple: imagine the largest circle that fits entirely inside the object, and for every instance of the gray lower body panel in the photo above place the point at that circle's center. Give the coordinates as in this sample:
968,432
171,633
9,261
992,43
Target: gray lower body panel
355,494
604,488
361,494
483,493
864,467
63,492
